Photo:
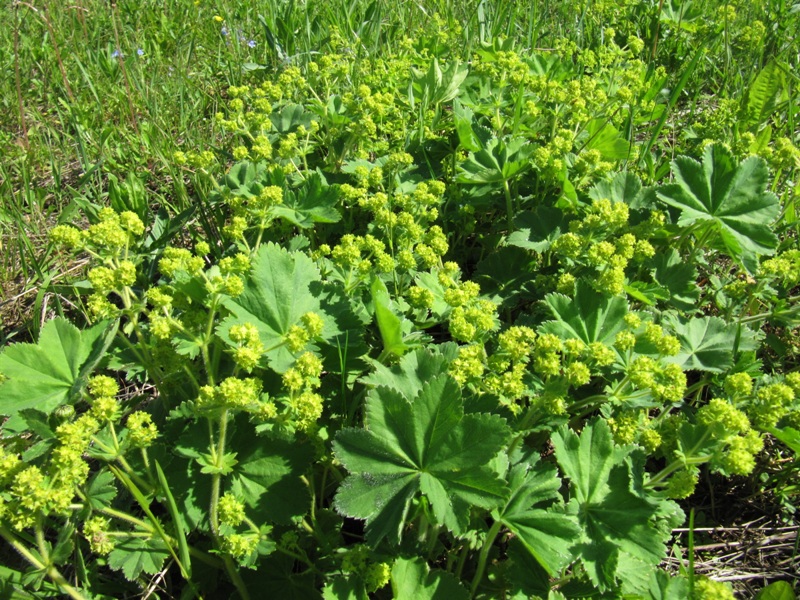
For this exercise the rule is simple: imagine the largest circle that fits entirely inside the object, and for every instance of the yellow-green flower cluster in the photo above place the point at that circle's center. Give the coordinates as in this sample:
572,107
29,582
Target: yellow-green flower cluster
112,233
771,403
310,327
420,297
708,589
665,381
31,491
599,241
547,359
198,160
142,432
304,406
362,254
96,530
240,545
471,317
473,321
784,268
230,510
232,393
249,347
732,428
105,406
626,426
738,385
358,561
469,365
683,483
666,345
179,259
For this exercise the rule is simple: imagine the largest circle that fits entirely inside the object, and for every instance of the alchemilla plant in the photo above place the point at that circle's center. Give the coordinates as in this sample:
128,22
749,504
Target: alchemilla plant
436,326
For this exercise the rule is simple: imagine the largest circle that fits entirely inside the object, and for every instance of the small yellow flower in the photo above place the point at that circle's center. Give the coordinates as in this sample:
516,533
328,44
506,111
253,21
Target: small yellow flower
218,19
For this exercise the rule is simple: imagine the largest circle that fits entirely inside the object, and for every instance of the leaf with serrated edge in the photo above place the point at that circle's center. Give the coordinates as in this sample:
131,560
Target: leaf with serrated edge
134,556
423,445
707,343
619,525
731,197
411,578
49,373
678,278
532,514
268,476
409,374
282,286
589,316
100,491
588,459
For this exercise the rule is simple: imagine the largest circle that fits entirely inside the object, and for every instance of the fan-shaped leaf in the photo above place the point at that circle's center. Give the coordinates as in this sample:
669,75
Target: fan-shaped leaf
730,198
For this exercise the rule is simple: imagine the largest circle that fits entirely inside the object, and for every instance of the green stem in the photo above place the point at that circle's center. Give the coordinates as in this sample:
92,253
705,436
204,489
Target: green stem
509,205
300,558
40,541
679,463
487,546
49,570
462,559
216,481
237,580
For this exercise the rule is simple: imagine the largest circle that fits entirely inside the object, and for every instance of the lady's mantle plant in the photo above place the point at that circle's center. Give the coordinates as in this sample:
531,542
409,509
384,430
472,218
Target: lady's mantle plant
429,335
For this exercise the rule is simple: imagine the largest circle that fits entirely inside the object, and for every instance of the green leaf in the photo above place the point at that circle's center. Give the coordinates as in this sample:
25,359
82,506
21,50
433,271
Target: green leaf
53,371
708,343
64,546
210,466
624,187
730,198
39,423
14,585
130,195
389,324
779,590
290,118
789,436
244,179
437,85
589,316
507,275
471,135
345,588
313,202
281,287
496,162
678,279
524,572
763,93
100,491
604,138
423,445
415,368
268,477
619,525
411,578
533,514
538,229
135,555
664,587
278,577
